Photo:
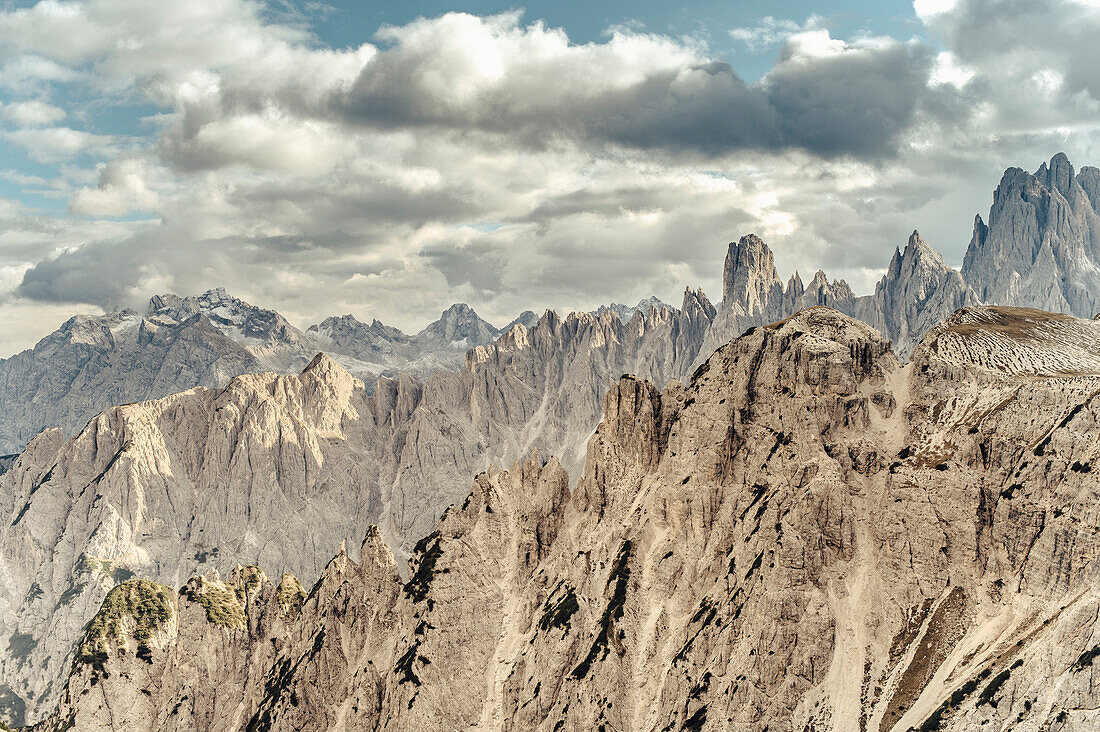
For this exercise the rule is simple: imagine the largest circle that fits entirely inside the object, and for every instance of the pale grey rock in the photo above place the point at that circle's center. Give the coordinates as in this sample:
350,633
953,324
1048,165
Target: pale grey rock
95,362
92,363
808,535
373,350
917,291
527,319
277,344
625,312
458,328
1041,247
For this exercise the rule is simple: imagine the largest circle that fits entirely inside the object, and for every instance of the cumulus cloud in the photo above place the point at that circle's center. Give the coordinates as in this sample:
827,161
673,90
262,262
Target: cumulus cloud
529,83
122,188
31,113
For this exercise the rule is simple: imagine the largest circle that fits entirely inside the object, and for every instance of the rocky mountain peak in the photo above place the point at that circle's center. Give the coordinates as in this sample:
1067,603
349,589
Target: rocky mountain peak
749,279
696,304
1058,175
460,327
528,318
1041,247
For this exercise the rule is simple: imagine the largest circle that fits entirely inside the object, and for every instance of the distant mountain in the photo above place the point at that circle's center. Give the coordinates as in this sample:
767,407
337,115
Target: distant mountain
916,292
94,362
1041,246
459,327
625,312
377,349
527,318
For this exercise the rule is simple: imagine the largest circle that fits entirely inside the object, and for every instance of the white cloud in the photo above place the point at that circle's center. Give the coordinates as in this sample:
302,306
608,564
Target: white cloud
32,113
122,188
52,144
927,8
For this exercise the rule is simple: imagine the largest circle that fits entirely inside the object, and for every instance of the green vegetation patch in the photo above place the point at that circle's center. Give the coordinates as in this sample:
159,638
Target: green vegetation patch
219,600
148,605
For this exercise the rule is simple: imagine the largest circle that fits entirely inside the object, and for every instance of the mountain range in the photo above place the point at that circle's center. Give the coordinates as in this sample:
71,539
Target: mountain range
806,535
208,464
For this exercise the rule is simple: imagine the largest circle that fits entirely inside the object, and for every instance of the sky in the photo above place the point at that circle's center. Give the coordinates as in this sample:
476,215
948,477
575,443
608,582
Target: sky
388,159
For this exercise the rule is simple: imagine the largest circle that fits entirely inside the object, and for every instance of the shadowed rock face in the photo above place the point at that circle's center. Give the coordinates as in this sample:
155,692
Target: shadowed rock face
808,535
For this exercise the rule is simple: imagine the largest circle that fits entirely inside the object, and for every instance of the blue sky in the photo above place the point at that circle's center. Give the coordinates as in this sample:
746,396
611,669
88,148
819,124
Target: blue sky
389,159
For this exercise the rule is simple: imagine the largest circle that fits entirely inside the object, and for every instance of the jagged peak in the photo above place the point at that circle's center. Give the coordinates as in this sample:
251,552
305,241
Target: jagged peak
696,301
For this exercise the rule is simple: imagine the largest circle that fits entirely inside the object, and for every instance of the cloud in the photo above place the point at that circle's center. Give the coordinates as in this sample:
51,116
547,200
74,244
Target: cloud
771,32
31,113
469,74
52,144
494,160
122,188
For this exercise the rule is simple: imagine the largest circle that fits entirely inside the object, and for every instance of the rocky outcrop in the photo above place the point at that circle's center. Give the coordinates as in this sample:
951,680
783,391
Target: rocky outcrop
277,469
1041,246
808,535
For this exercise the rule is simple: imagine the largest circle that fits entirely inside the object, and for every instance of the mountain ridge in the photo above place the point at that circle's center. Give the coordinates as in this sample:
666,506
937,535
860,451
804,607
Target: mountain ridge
727,561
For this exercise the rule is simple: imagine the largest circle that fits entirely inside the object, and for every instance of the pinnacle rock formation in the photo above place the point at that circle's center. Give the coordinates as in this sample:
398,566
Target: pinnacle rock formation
806,535
1041,246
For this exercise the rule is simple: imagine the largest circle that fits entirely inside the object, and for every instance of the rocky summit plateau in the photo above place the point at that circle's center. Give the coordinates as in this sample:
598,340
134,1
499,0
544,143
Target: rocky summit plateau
796,509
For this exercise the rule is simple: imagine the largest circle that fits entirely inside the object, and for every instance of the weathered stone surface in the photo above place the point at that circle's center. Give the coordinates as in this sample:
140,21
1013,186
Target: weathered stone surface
808,535
1041,247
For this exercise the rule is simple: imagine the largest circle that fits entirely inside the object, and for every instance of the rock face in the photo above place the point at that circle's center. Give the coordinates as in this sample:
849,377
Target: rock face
92,363
276,469
95,362
808,535
1041,247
